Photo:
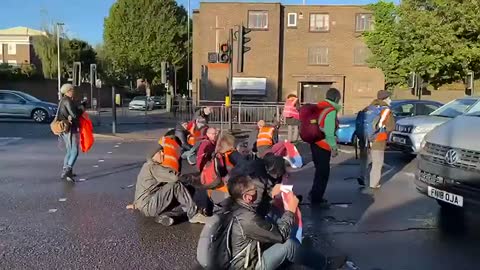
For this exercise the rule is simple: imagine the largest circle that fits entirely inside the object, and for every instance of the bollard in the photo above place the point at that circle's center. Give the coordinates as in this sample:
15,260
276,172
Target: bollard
114,112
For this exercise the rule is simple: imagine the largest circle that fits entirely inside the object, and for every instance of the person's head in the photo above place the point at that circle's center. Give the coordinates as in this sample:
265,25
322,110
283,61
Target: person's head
157,155
333,95
385,96
275,165
225,143
242,189
212,134
207,110
243,149
67,90
200,122
261,123
291,96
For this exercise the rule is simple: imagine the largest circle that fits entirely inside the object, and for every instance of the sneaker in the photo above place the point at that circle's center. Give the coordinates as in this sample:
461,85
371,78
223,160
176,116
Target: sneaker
164,220
198,218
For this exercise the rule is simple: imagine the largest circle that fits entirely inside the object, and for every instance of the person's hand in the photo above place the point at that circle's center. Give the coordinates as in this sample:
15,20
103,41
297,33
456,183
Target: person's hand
276,190
130,206
292,202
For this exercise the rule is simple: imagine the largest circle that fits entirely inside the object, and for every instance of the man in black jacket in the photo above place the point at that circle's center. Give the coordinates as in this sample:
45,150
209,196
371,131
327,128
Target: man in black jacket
260,244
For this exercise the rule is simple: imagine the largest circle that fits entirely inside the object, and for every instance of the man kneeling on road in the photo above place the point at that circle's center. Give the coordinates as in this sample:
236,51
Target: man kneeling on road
257,243
158,192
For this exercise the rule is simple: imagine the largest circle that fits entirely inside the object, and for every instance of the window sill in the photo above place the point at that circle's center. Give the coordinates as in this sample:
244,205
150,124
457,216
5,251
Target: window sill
319,31
319,65
258,29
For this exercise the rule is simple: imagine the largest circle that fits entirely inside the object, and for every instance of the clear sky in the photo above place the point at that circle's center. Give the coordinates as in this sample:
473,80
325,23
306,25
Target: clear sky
84,18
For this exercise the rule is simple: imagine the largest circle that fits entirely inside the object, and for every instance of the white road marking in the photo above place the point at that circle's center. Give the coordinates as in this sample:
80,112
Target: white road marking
109,152
101,160
95,166
7,140
62,199
53,210
82,180
116,146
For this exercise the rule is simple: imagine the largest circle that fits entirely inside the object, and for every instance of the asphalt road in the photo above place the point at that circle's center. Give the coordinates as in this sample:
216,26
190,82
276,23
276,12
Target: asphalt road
49,224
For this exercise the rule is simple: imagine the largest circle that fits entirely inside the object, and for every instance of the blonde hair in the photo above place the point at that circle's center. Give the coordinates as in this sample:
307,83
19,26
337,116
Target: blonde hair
65,88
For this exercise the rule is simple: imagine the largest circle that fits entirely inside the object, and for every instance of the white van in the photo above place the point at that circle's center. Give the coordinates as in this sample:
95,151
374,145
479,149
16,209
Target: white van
449,162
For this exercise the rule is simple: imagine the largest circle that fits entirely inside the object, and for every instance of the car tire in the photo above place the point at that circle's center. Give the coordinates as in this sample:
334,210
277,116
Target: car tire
450,208
39,115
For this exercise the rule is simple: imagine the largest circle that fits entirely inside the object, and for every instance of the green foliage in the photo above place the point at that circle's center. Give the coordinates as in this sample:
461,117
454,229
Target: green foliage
438,39
140,34
70,51
25,71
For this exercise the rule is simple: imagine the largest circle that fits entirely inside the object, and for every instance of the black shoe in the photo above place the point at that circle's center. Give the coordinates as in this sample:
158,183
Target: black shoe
361,182
164,220
67,175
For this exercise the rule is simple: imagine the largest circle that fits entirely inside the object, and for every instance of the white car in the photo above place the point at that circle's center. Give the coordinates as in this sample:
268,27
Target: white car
409,132
141,103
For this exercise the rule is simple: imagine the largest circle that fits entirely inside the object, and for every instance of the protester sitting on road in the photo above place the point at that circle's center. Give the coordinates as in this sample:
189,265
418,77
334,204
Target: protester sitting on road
260,244
226,147
159,192
206,148
197,129
69,111
263,138
268,173
182,134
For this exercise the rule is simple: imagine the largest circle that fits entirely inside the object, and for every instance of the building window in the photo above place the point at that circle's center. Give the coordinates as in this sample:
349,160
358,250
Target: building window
12,48
318,56
364,22
1,48
258,19
360,56
292,20
319,22
12,62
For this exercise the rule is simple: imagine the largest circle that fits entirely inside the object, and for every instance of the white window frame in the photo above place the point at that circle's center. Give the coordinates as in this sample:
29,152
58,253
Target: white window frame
321,58
315,22
294,23
12,48
255,14
361,24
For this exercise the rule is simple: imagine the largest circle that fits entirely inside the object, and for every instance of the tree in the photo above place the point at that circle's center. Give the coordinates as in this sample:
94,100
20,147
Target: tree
139,35
81,51
438,39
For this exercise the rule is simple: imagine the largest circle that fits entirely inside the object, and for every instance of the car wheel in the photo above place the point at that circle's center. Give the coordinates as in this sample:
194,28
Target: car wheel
39,115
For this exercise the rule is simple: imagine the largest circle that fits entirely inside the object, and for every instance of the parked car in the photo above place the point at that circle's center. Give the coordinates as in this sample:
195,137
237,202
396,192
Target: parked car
141,103
400,108
159,101
18,104
410,132
449,162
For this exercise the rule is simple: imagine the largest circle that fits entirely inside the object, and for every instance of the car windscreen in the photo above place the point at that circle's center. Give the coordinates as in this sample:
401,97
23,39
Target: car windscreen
454,108
140,98
474,110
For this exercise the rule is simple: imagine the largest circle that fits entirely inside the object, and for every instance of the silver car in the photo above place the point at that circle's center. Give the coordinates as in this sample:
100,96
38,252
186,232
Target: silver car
16,104
409,132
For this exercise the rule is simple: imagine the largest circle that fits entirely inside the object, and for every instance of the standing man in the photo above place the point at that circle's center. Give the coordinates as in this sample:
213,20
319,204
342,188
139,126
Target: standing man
326,148
292,117
69,111
376,123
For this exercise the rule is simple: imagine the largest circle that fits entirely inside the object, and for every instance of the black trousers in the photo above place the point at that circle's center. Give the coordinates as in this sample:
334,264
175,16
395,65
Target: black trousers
321,160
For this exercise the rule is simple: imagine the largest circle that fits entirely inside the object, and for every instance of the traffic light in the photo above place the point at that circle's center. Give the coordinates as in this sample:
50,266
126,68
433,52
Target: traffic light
469,83
242,40
224,55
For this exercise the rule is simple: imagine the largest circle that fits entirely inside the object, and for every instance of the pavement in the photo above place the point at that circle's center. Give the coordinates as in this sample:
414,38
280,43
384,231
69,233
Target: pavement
49,224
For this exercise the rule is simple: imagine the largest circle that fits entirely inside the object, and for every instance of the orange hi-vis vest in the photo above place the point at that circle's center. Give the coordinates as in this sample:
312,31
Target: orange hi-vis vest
290,111
265,136
228,162
171,153
194,134
382,136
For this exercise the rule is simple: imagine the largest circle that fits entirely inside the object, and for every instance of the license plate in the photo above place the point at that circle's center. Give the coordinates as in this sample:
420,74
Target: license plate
399,140
445,196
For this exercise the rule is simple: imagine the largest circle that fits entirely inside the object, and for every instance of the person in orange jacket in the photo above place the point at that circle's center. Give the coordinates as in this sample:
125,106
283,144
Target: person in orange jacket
263,138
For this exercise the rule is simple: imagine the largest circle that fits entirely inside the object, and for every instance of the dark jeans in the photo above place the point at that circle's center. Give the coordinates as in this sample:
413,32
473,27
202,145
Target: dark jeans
321,160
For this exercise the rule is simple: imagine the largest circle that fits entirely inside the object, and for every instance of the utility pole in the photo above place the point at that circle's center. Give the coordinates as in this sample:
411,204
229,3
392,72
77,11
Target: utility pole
59,76
188,51
230,79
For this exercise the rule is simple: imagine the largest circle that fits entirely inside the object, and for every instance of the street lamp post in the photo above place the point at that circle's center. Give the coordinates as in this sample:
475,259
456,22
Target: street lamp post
188,51
58,61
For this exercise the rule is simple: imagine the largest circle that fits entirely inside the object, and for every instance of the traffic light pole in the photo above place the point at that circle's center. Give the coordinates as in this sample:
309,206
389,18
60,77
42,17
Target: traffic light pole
230,79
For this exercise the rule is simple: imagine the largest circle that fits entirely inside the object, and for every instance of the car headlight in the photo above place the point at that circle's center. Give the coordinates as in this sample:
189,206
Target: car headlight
421,129
343,125
54,109
423,143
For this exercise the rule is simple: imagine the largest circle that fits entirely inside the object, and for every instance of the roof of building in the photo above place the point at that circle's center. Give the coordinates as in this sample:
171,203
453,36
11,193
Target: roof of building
21,31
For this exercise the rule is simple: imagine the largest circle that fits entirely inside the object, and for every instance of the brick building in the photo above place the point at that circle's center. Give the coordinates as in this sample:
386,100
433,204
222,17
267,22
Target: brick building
16,46
301,49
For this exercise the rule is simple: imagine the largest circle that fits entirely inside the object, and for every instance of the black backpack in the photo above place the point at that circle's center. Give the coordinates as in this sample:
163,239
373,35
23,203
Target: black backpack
214,247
